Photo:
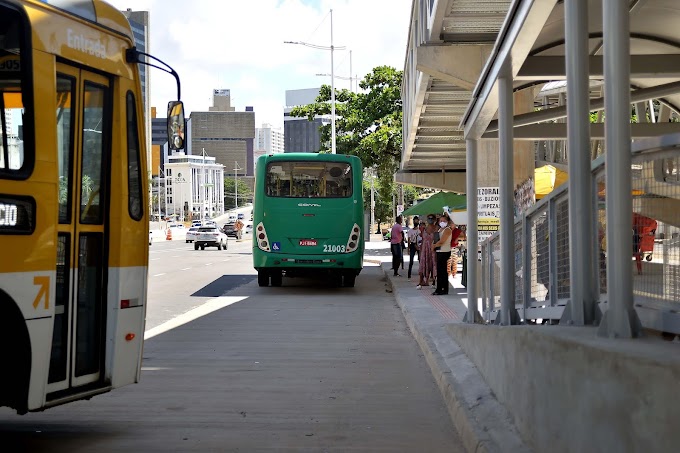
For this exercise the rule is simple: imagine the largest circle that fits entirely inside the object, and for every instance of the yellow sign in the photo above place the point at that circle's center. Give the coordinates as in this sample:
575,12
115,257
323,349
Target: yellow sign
44,291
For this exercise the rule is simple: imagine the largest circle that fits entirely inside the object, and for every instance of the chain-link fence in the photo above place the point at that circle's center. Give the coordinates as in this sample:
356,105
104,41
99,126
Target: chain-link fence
542,255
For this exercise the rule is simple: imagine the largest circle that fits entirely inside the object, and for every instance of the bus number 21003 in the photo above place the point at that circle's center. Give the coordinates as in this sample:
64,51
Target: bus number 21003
334,248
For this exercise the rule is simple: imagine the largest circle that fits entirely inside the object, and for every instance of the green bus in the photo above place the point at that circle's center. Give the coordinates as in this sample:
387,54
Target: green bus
308,217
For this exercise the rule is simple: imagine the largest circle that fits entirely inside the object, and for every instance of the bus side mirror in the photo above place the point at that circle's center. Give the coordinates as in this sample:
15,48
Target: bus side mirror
176,125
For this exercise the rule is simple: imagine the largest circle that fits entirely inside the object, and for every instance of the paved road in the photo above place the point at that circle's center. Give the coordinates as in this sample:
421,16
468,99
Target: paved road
303,367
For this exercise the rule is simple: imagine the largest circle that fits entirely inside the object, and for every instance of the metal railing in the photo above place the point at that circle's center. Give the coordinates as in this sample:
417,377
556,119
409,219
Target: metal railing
541,264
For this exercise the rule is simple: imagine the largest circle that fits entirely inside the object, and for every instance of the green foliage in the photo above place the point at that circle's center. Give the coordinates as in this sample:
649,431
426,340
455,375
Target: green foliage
245,194
368,125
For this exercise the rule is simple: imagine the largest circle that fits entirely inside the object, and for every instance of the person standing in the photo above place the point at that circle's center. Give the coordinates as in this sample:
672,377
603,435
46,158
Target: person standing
442,248
413,246
427,260
396,245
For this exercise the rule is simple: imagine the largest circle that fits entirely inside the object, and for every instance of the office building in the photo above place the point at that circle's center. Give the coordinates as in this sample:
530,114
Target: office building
269,139
225,134
139,22
300,134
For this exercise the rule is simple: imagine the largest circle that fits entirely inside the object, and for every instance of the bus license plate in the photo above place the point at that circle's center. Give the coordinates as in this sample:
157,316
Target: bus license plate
307,242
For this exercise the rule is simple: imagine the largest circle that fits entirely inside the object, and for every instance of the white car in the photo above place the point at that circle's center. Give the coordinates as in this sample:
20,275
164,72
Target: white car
191,233
211,237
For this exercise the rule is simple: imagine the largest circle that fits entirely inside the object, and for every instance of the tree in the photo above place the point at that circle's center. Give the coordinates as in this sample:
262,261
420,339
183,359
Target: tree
245,194
368,125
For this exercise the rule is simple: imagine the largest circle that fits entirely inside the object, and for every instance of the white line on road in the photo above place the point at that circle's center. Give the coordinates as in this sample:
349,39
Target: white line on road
158,275
186,269
226,260
205,309
208,264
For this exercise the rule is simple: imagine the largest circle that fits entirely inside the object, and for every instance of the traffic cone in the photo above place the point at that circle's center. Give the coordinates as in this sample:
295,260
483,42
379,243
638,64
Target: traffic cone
168,235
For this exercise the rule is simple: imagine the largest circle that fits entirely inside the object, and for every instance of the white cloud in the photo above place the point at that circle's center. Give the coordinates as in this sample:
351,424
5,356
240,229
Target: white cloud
239,45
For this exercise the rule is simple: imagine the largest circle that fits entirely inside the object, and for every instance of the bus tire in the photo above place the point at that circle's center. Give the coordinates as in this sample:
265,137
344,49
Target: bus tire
195,246
277,278
14,385
350,280
262,277
203,247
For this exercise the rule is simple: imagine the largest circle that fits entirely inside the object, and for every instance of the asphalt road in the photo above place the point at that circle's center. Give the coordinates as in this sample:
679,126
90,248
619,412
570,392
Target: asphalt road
303,367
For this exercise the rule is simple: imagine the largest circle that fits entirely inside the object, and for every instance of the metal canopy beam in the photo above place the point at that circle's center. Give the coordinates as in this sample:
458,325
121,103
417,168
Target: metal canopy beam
558,131
643,94
641,66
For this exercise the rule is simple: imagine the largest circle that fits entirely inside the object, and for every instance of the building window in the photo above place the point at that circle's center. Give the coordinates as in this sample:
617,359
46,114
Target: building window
134,167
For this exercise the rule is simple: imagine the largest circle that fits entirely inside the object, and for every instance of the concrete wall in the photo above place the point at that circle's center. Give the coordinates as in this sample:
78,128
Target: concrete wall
571,391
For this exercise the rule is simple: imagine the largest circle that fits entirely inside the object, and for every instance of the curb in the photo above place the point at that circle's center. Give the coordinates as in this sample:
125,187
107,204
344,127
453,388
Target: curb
483,424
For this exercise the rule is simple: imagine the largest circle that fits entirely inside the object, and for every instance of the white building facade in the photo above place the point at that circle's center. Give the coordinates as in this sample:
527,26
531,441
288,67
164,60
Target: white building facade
194,187
268,139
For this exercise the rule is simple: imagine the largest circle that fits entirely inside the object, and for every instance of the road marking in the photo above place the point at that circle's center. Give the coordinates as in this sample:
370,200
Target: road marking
186,269
208,264
226,260
198,312
158,275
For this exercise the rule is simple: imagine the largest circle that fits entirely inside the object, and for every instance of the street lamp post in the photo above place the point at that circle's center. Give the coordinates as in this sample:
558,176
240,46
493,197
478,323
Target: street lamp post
332,48
236,169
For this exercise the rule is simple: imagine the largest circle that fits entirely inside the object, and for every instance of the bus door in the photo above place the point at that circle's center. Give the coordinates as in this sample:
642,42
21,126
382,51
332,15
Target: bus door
83,113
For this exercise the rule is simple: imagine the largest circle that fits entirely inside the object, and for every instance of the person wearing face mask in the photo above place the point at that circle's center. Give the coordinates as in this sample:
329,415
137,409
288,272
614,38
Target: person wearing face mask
427,261
442,247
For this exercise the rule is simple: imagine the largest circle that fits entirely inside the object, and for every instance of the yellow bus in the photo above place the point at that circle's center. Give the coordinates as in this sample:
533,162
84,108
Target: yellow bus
73,202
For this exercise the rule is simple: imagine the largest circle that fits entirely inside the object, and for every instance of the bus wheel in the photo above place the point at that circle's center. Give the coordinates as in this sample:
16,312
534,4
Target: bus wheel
350,279
203,247
195,246
277,278
262,277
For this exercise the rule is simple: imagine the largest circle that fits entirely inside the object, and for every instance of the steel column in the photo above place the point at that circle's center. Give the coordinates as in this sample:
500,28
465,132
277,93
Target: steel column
471,234
581,308
620,320
507,199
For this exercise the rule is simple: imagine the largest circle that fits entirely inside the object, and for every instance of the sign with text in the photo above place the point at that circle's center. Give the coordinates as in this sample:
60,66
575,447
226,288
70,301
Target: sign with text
488,211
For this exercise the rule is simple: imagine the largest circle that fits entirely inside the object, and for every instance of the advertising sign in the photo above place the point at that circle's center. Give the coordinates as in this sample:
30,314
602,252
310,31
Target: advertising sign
488,212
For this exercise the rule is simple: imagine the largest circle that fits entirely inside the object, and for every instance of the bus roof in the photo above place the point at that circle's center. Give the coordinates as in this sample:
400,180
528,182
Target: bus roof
309,156
97,11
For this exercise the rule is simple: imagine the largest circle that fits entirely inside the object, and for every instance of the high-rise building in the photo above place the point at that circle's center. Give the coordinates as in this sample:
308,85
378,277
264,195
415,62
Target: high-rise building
268,139
300,134
225,134
140,25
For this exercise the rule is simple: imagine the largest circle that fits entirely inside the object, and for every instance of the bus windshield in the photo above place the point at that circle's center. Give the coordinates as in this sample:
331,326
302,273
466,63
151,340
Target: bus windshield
11,104
300,179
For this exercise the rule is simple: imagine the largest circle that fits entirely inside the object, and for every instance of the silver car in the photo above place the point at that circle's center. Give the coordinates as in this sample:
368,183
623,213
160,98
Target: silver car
191,234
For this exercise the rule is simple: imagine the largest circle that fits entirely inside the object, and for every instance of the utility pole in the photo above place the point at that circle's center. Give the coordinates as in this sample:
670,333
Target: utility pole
236,169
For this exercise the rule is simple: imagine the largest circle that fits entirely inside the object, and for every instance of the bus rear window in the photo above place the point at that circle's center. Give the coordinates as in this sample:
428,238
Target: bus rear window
309,180
12,92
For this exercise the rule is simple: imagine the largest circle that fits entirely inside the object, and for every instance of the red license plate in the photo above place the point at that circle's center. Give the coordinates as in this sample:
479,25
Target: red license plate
307,242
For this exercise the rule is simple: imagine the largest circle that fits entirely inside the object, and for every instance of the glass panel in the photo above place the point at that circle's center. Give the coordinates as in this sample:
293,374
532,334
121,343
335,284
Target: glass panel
92,189
89,306
65,125
309,179
12,81
58,360
134,170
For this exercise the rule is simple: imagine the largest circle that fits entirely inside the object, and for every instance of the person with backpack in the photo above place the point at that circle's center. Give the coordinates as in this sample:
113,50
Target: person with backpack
442,247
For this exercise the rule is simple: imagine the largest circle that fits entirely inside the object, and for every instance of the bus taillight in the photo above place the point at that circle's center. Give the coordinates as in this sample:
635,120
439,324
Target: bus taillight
353,241
262,240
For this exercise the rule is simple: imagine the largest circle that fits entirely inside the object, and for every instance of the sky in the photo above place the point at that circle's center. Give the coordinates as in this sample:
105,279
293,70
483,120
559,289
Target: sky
239,45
